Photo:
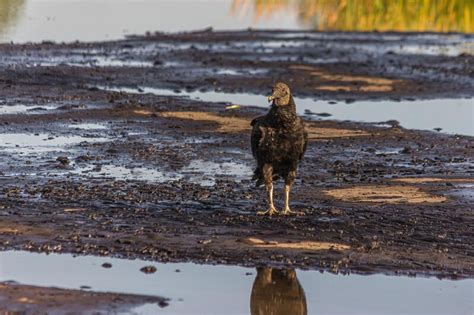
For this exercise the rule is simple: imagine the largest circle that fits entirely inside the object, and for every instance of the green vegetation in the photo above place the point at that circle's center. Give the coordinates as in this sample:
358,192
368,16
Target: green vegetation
373,15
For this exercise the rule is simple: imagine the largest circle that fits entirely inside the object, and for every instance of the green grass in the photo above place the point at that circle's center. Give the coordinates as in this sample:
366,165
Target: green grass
375,15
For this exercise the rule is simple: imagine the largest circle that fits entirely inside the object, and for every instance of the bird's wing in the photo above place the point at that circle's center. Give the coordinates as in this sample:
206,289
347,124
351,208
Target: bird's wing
305,140
257,134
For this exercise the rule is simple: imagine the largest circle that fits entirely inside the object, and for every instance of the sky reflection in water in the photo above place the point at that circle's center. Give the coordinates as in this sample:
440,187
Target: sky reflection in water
205,289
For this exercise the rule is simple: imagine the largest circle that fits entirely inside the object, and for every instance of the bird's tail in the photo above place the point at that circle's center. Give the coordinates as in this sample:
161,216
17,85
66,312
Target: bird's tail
258,177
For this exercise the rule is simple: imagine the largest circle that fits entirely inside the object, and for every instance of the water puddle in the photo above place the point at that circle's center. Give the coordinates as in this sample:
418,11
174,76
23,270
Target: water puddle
206,289
19,109
205,172
464,191
89,59
420,44
124,173
451,50
41,142
437,50
388,151
102,61
199,172
95,61
87,126
239,72
453,116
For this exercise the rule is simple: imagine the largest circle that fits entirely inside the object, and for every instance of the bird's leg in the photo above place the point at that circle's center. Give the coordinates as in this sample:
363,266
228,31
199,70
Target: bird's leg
268,177
271,207
287,210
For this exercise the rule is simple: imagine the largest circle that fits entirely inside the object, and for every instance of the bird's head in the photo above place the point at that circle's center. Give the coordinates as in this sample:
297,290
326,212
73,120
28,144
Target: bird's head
280,94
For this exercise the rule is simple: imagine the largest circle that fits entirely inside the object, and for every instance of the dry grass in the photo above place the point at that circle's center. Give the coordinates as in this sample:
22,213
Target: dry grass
15,228
238,124
332,82
384,194
423,180
302,245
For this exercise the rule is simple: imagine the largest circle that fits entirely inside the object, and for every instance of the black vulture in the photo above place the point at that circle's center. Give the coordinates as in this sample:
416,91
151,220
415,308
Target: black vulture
277,292
279,142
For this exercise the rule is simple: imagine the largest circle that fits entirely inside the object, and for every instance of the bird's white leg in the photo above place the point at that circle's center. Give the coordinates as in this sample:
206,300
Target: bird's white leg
287,209
287,199
271,207
270,199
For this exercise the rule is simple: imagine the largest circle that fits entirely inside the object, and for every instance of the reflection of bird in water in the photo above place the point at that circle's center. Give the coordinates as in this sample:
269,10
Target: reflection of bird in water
279,142
277,292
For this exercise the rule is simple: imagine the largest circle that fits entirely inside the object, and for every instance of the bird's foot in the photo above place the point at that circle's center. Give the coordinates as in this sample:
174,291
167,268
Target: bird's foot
287,211
271,211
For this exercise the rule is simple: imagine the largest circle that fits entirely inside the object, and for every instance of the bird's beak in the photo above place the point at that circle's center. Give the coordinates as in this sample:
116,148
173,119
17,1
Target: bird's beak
271,98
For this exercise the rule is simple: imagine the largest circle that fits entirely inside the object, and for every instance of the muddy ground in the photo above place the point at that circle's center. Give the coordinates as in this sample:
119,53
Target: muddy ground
26,299
167,178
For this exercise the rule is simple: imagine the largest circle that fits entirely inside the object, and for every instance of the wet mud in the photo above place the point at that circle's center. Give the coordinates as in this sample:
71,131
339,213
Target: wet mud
335,66
167,178
26,299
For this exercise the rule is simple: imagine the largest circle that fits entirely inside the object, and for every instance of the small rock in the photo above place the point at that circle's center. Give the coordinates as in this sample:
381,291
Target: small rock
393,123
323,114
148,269
205,242
36,109
107,265
63,160
84,158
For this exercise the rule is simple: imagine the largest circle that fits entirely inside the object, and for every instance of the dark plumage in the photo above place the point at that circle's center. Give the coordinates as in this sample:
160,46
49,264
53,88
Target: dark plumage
279,142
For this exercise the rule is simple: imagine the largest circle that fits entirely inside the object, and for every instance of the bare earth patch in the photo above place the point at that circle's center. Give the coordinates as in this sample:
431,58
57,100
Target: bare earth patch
324,133
14,228
226,124
40,300
357,83
384,194
302,245
422,180
236,124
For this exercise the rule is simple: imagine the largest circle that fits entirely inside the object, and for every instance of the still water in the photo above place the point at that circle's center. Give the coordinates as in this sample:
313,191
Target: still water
454,116
206,289
93,20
